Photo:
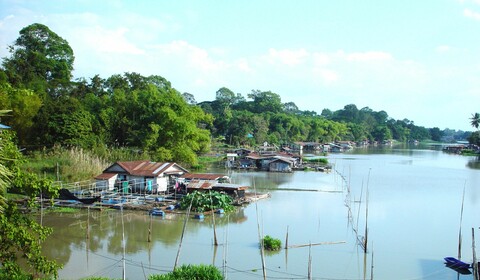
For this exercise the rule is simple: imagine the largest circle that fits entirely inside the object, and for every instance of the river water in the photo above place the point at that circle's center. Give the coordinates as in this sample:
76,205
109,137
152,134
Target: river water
414,198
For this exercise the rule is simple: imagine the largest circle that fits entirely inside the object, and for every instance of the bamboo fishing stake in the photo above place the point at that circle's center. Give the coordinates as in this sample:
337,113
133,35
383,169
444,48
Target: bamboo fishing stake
123,245
215,242
286,240
88,223
460,228
316,244
366,214
371,268
310,262
475,263
259,235
149,238
183,232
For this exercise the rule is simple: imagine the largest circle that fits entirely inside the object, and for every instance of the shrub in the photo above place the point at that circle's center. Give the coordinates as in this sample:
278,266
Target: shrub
271,244
191,272
205,201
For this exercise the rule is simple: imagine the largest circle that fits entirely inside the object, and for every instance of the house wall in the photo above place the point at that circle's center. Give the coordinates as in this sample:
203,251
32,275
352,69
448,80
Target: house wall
162,184
280,167
107,185
101,184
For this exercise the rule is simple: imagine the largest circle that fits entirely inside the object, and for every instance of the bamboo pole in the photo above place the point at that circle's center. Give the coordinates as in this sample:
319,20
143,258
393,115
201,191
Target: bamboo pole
88,223
183,233
215,242
149,238
286,240
475,263
310,262
259,235
123,245
371,268
316,244
366,215
460,227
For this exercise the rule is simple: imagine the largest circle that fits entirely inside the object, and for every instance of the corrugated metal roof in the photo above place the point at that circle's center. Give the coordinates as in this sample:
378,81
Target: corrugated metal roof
203,176
106,176
147,168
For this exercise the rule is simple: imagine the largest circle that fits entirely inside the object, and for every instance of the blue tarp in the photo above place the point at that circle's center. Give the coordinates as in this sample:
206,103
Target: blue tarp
2,126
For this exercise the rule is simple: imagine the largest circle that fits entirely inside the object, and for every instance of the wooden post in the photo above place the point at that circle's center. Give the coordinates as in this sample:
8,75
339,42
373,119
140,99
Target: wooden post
286,240
183,232
460,230
149,238
215,242
88,223
475,263
310,262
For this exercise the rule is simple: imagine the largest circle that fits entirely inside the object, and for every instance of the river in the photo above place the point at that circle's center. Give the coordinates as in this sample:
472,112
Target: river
414,205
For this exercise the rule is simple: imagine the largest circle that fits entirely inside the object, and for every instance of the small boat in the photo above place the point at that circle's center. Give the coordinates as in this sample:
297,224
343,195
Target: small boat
456,263
199,216
157,212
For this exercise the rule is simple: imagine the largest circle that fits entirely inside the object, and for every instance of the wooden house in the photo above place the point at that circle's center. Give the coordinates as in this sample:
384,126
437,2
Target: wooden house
211,182
280,165
139,176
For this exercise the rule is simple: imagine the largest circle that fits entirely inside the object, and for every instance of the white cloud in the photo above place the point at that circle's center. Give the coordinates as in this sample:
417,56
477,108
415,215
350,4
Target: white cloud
368,56
287,57
443,49
108,41
471,14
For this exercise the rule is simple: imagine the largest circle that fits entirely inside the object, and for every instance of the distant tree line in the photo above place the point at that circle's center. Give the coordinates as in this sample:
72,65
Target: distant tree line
149,115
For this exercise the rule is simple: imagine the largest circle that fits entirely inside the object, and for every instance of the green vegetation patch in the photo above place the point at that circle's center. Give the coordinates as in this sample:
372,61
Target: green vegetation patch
191,272
206,201
315,160
271,244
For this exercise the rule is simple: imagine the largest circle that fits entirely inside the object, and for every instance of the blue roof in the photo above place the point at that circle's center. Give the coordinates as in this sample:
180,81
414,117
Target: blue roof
2,126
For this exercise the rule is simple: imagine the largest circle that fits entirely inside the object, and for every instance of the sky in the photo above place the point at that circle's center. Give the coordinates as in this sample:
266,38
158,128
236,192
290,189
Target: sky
415,59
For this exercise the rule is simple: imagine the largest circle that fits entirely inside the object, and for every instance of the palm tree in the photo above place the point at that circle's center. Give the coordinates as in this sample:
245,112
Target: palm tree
475,120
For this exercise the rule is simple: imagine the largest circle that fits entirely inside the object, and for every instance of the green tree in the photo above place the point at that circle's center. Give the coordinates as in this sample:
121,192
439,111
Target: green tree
20,236
474,138
436,134
24,104
265,101
40,60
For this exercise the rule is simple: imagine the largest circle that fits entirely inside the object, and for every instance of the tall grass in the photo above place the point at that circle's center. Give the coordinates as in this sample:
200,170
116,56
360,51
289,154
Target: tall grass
76,164
68,165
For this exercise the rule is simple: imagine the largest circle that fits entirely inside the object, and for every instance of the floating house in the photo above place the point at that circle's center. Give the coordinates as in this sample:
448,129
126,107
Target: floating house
208,181
278,162
281,164
139,176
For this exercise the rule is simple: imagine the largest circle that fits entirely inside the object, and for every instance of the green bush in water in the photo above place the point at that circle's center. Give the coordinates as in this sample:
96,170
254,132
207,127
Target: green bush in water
271,244
205,201
191,272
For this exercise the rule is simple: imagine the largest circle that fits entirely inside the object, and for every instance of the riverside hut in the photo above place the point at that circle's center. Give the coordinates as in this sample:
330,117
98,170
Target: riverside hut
140,176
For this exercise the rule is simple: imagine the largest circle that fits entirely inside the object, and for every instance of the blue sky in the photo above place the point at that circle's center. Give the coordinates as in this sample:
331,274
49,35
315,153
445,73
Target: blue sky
418,60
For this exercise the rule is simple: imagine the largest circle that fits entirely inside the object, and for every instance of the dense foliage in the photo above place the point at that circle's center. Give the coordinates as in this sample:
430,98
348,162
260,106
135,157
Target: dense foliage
148,115
192,272
271,244
206,201
20,236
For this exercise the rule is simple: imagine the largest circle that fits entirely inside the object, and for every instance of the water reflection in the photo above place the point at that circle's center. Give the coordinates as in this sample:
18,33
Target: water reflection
414,203
474,163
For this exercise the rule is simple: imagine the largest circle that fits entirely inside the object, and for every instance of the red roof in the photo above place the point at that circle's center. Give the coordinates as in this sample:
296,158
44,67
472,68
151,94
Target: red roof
144,168
105,176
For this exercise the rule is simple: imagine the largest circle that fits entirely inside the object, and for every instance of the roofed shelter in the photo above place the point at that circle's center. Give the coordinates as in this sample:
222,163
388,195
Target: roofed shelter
139,176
